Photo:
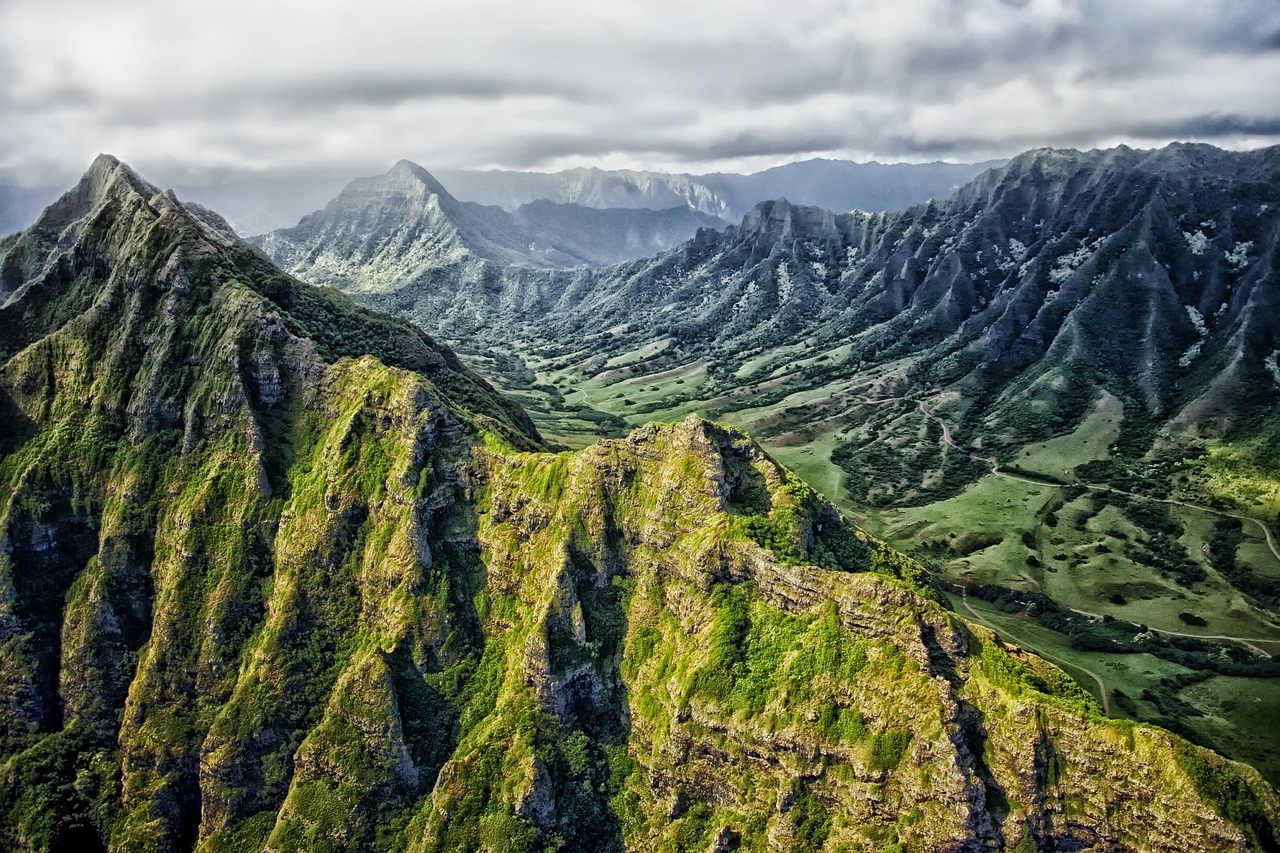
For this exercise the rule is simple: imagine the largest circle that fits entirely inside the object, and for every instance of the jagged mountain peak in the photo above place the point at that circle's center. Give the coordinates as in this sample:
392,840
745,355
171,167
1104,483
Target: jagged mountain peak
779,217
107,183
779,226
116,253
402,221
403,188
400,225
1177,160
108,178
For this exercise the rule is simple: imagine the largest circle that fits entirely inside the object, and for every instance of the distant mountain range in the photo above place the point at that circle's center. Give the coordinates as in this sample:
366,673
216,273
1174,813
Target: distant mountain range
839,185
1149,273
258,202
405,220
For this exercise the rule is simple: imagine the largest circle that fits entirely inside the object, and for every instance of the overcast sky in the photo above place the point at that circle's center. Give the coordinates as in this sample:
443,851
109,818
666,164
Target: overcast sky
345,87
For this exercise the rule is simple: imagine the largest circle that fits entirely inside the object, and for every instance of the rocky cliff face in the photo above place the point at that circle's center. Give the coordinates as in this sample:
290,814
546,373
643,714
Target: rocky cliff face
764,700
166,624
277,573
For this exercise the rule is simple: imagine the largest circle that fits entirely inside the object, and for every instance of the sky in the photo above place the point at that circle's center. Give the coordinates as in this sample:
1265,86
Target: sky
242,87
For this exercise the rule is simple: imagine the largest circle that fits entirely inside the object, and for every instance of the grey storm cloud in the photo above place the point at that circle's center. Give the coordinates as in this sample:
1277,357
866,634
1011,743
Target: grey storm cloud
241,87
325,94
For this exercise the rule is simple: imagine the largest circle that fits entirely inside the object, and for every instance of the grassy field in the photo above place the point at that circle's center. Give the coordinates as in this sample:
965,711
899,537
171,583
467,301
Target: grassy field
1245,473
1076,551
1028,634
1239,719
1058,456
1234,715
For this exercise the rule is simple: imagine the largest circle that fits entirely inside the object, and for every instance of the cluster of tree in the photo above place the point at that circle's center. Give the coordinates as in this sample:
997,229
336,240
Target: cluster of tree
1161,550
1228,533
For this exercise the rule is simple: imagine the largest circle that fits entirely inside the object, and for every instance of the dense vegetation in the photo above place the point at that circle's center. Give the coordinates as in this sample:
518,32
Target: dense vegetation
263,588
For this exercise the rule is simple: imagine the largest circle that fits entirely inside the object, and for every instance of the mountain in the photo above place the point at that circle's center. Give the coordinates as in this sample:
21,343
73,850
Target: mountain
279,573
400,219
843,185
833,184
1058,386
258,202
1148,276
392,226
588,187
253,202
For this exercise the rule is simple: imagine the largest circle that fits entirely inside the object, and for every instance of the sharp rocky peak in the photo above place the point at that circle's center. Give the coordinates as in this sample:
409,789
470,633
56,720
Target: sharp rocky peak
407,174
780,219
108,176
107,179
406,187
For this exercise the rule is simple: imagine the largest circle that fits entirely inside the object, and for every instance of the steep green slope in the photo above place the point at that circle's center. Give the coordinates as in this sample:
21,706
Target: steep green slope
277,573
167,430
775,704
1089,323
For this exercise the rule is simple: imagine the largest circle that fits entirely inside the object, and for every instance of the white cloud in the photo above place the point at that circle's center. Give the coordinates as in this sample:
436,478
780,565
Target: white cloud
661,84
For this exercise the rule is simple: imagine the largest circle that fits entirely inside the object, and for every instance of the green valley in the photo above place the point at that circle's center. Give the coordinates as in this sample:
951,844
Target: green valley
279,572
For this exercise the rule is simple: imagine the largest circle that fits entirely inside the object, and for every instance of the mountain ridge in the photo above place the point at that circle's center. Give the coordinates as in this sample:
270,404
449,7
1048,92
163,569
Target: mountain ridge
280,573
405,220
1020,324
1111,314
261,202
836,184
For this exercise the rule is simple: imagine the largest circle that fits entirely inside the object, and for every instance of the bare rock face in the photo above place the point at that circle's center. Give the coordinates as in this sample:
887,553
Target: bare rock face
277,573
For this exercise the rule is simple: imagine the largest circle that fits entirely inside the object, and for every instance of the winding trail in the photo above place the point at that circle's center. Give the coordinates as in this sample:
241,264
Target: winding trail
1102,685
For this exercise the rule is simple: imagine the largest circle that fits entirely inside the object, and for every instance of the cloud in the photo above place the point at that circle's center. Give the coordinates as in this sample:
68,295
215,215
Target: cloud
1215,126
246,87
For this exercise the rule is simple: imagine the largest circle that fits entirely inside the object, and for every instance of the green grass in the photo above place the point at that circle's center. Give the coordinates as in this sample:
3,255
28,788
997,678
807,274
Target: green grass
812,461
767,358
639,355
1090,441
1246,473
1029,634
1237,714
1239,719
1094,566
